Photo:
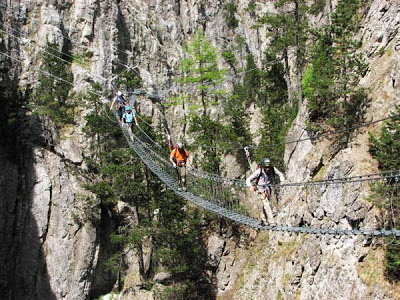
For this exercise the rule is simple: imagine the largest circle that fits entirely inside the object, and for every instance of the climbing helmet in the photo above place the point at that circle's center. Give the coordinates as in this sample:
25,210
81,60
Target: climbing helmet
266,162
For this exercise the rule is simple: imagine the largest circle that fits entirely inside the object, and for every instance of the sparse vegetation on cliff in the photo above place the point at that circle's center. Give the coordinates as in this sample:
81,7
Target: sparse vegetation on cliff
52,98
331,80
386,149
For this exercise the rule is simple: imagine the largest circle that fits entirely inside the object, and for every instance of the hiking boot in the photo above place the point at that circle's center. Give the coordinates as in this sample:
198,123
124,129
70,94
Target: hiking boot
179,189
184,189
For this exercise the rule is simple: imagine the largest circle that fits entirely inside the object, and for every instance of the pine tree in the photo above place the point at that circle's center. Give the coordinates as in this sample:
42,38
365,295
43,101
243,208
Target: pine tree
200,69
288,30
386,149
51,98
331,81
173,235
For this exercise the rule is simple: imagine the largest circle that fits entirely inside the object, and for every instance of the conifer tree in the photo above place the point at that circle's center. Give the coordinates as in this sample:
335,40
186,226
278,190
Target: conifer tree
50,98
331,81
386,149
288,30
172,236
277,113
200,69
201,72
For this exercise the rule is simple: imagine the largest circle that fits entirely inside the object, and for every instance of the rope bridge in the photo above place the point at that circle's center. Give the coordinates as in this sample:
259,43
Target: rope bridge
227,197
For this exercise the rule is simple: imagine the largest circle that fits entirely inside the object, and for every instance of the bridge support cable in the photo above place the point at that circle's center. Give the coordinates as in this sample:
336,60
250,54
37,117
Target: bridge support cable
200,173
228,198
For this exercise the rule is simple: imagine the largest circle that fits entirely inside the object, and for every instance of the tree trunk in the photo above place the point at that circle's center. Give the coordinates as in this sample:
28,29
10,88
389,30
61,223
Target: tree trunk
287,76
299,58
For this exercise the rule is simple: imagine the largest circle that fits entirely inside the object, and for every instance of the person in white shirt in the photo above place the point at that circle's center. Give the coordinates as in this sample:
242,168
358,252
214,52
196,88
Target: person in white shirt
263,177
120,100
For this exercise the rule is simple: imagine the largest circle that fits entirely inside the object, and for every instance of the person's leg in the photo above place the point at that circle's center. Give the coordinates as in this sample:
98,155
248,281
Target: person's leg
178,173
261,197
183,176
266,208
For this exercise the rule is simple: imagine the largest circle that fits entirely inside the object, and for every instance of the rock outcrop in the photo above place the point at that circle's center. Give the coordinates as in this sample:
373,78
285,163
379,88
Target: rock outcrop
50,250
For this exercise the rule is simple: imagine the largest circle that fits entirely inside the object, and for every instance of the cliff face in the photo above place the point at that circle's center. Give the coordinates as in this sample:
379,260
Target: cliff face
50,252
311,267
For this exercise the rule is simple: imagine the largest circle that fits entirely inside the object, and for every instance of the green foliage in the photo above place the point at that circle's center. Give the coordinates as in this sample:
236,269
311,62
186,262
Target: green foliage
230,11
200,67
386,149
277,119
252,81
83,60
237,129
317,7
288,29
230,58
210,134
251,8
268,90
51,98
238,117
392,261
179,238
9,118
331,80
114,263
275,89
130,80
176,292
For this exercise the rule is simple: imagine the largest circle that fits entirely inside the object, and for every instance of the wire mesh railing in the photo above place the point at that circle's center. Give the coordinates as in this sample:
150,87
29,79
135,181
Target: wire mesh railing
364,205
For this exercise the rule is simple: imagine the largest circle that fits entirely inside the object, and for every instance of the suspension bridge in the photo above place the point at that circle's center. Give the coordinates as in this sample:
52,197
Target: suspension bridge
228,198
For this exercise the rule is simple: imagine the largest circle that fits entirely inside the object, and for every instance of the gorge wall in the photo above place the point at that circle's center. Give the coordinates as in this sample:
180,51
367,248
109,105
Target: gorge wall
47,254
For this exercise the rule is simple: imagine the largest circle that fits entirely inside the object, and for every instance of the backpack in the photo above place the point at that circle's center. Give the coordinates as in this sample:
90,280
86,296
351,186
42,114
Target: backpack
120,102
182,153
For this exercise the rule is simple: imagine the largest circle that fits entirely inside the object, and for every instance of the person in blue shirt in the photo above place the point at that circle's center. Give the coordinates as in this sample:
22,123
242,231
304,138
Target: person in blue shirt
129,116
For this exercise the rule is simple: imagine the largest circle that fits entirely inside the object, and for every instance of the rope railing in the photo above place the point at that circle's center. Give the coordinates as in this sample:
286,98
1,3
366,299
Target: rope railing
228,198
387,175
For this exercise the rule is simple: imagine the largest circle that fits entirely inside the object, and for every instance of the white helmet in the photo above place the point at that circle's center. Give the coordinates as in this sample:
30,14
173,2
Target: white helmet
180,145
119,93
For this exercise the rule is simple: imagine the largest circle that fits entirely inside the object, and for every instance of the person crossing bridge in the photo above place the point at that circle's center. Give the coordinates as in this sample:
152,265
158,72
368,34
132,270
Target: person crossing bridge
263,177
179,157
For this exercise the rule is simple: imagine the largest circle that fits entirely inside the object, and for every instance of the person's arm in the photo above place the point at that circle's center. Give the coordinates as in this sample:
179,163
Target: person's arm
252,177
171,157
135,118
112,104
187,157
280,174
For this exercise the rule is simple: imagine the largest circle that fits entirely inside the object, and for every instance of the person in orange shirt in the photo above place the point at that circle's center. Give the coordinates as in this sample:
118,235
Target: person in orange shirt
179,157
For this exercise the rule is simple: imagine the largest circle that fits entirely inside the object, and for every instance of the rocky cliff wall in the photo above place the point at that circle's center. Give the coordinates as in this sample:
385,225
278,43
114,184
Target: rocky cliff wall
310,267
48,254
